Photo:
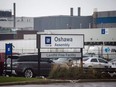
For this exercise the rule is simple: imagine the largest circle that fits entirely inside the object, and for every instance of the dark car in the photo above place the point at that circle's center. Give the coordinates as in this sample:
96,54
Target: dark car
27,65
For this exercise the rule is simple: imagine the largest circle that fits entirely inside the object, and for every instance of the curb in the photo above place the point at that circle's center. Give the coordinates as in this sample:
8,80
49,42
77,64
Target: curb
97,80
50,81
34,82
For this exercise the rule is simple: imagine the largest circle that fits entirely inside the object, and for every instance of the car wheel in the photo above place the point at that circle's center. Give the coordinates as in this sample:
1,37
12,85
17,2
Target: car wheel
28,73
106,66
89,66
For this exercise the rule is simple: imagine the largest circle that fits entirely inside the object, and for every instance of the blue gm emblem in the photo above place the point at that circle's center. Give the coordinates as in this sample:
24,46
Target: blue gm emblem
8,49
107,49
47,40
103,31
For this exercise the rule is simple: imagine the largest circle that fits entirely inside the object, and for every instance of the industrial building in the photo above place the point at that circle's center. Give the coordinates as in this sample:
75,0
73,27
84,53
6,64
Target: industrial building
11,30
99,28
101,41
104,19
9,20
21,23
62,22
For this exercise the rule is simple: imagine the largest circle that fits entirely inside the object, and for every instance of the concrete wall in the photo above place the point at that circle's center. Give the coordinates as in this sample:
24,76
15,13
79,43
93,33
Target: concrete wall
20,46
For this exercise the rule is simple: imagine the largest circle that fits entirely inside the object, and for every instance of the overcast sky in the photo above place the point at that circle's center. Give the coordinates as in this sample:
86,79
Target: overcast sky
37,8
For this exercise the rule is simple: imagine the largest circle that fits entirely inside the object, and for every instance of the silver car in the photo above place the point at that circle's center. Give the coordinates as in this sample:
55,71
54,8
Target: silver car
94,62
62,60
113,63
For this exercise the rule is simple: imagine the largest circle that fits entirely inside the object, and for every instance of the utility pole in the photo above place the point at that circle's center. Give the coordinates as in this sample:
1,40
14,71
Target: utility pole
14,18
14,15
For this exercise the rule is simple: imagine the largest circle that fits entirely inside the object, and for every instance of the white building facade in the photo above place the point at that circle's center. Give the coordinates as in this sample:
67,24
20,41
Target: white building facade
101,41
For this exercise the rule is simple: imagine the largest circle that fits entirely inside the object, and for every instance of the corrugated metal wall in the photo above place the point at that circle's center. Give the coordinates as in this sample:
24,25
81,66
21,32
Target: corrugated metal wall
106,19
62,22
106,14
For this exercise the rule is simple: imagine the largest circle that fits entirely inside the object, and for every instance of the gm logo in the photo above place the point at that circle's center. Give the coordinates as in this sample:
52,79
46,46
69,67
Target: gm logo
104,31
107,50
47,40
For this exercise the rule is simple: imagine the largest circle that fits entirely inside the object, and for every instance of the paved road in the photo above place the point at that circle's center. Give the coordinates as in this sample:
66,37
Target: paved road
88,84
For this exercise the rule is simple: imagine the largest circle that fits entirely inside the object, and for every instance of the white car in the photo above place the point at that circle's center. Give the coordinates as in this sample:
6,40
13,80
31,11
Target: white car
94,62
62,60
113,63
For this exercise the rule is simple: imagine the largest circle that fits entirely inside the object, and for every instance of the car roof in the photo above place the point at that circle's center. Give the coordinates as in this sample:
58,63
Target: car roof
95,57
24,54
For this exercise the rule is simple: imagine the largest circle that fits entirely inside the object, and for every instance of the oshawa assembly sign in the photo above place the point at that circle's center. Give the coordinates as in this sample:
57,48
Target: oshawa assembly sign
62,41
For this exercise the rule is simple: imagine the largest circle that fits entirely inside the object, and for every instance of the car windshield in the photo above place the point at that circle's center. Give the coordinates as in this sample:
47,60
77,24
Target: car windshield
85,59
113,60
89,55
62,59
102,60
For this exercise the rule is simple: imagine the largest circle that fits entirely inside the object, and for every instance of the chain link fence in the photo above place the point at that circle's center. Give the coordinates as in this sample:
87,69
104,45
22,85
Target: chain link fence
21,50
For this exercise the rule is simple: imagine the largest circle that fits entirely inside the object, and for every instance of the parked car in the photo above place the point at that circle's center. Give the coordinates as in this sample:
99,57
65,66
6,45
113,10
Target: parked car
65,62
1,63
89,55
113,63
94,62
1,66
27,65
62,60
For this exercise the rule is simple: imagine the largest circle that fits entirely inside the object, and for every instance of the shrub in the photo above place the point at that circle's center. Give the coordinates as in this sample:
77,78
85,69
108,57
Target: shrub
59,72
114,77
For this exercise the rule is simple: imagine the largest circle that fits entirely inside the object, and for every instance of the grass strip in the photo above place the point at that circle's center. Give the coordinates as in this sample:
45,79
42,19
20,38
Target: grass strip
4,79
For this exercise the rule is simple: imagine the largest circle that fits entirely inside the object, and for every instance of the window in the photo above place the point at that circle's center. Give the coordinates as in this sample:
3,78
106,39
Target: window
29,58
102,61
23,58
14,59
94,60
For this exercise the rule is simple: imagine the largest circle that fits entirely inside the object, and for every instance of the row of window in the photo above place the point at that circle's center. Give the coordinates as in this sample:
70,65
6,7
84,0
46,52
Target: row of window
100,43
27,58
27,20
5,13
